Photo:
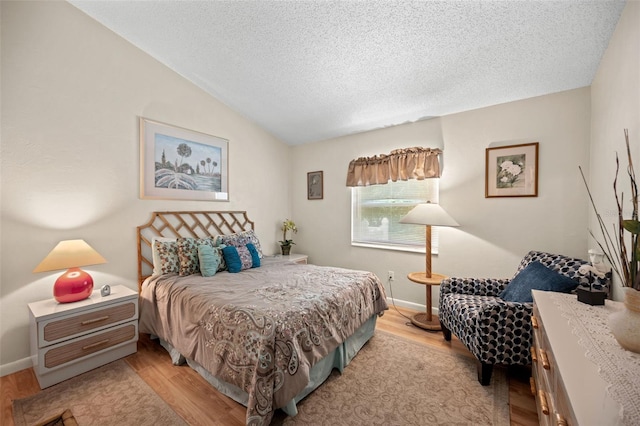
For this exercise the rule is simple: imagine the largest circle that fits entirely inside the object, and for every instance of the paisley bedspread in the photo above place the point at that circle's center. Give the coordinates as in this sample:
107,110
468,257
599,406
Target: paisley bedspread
261,329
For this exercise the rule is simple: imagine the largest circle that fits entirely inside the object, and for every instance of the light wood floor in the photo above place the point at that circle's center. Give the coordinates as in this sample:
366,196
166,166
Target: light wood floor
199,404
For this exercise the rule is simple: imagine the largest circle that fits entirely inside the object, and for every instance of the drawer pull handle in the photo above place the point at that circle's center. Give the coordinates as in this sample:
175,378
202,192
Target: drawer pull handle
534,355
93,345
532,383
560,421
534,322
91,321
545,360
542,398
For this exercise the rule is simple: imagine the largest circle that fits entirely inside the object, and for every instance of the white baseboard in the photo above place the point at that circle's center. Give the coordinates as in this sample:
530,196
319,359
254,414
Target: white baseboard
14,367
410,305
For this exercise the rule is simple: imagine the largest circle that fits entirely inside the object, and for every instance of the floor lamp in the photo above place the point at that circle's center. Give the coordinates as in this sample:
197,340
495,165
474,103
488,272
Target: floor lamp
429,214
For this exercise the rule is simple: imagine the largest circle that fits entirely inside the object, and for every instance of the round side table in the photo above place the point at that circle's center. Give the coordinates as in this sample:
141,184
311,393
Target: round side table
426,320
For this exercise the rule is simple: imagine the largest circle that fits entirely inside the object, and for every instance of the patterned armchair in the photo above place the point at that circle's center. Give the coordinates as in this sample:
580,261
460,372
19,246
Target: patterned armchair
494,330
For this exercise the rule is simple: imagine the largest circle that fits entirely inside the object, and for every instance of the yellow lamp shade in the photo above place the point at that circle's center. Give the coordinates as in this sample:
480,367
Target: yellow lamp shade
75,284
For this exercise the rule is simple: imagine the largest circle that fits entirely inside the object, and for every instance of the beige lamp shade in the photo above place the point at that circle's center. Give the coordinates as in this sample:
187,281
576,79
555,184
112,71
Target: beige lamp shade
70,254
429,214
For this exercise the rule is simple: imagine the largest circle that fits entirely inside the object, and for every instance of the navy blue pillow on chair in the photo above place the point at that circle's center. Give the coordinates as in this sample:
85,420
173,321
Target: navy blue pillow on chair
536,276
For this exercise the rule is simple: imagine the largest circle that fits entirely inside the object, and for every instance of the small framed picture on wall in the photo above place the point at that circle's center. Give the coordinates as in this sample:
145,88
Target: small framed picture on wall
512,171
314,186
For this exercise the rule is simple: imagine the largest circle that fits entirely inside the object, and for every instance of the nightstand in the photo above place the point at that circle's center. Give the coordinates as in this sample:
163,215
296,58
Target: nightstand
290,258
68,339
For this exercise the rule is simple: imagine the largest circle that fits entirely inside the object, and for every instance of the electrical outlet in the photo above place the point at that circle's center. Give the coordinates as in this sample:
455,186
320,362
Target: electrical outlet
391,276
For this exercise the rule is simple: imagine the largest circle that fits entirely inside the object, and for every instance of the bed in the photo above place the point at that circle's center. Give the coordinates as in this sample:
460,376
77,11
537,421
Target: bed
262,330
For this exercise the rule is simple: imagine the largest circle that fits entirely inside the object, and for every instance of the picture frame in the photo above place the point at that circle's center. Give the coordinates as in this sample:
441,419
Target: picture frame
315,189
512,171
182,164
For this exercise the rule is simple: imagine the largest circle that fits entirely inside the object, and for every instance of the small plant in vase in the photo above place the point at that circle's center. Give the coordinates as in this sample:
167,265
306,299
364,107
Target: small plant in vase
623,253
285,244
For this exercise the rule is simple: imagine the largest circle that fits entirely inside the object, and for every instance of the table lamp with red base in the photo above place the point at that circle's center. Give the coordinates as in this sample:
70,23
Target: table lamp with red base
75,284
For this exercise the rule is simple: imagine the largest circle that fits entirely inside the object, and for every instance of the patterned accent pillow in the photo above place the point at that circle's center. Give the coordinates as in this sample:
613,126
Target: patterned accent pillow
218,250
238,258
165,257
188,254
241,239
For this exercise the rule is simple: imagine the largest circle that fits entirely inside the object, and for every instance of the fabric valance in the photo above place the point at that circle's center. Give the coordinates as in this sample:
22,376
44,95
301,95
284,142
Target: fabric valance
401,164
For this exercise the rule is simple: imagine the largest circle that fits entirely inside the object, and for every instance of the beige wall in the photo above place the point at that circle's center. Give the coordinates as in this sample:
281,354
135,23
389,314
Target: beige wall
495,233
71,95
615,105
72,92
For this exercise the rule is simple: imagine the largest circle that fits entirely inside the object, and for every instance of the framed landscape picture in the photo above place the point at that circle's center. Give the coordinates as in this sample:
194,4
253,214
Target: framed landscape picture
181,164
512,171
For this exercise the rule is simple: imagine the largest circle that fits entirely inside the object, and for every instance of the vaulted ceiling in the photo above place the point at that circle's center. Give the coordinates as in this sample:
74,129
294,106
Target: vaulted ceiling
312,70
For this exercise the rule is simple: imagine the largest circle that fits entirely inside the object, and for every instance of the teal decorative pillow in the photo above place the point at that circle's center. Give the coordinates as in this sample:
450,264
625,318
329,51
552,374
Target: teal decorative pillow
240,258
536,276
255,256
209,258
232,259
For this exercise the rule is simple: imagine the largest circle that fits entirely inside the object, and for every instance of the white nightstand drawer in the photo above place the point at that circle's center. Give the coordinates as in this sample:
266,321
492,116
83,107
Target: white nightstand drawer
74,325
68,339
66,352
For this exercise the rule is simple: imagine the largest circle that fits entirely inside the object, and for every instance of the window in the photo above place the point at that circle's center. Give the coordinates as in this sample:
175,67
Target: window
377,209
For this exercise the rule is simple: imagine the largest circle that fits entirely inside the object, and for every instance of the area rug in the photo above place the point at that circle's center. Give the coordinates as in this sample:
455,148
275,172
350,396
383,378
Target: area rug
395,381
110,395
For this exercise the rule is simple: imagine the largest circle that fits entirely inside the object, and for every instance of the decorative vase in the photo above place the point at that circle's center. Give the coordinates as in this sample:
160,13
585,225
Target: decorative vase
72,286
286,250
625,324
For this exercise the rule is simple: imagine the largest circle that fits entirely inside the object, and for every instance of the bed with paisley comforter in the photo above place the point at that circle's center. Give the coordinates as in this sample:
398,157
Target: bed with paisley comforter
266,335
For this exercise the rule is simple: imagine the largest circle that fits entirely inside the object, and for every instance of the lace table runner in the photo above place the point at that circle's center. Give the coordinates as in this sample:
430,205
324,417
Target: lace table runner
619,368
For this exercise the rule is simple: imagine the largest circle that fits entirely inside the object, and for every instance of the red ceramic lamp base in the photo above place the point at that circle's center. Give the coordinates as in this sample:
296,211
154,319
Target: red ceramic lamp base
73,285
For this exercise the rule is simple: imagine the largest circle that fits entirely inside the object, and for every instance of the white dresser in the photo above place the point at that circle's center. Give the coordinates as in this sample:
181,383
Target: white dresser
68,339
569,389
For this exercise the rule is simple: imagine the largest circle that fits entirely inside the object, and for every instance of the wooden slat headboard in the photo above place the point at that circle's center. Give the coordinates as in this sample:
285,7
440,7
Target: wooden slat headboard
194,224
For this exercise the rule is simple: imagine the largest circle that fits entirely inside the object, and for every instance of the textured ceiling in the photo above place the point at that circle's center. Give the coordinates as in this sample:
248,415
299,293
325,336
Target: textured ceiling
312,70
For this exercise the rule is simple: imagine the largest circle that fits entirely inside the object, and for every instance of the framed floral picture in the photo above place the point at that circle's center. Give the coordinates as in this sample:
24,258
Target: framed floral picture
512,171
314,186
181,164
